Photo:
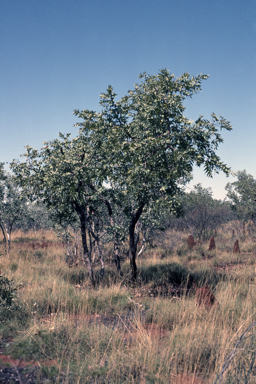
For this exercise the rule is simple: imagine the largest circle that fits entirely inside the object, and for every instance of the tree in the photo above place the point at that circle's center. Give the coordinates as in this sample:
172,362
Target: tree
132,155
66,176
242,195
146,147
36,217
2,224
202,214
13,206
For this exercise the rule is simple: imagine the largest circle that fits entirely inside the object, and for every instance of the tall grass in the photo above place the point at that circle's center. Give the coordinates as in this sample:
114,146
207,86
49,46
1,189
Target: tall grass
121,333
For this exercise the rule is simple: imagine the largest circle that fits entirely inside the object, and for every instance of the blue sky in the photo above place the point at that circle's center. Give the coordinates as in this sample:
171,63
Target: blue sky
57,56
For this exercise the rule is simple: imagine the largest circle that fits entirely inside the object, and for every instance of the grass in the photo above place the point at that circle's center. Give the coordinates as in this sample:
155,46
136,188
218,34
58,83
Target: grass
117,333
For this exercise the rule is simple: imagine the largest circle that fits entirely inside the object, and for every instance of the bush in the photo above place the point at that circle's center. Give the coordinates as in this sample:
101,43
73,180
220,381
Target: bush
7,292
173,273
9,306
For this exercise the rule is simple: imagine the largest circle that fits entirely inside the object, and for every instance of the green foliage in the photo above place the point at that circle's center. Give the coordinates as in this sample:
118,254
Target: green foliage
207,276
9,305
7,292
45,344
174,273
202,213
242,194
13,207
37,217
147,147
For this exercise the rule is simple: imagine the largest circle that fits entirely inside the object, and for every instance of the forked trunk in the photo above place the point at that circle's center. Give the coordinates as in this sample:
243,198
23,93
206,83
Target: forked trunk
86,253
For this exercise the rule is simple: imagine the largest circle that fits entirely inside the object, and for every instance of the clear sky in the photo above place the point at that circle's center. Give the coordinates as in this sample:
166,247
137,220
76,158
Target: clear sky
60,55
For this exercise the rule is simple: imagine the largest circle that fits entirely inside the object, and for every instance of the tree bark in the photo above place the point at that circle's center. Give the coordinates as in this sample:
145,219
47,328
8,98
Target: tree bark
86,254
117,257
133,243
116,248
86,251
97,241
143,247
6,236
102,270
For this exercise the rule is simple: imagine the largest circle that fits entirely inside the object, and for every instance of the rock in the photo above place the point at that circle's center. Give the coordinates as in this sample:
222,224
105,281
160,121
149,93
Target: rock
191,242
212,244
236,248
205,298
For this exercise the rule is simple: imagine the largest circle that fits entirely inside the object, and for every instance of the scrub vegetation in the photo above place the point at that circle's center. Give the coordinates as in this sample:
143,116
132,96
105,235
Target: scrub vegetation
120,331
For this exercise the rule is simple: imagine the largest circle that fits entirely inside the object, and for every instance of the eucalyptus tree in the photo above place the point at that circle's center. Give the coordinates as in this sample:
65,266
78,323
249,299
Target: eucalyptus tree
146,148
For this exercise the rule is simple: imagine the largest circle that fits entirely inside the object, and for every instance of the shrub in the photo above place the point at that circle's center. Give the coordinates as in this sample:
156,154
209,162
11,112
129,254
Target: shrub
9,306
7,292
172,273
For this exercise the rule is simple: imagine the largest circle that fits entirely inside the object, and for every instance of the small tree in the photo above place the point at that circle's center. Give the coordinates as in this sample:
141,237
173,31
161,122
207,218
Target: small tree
202,213
242,195
66,176
2,224
136,151
37,217
13,206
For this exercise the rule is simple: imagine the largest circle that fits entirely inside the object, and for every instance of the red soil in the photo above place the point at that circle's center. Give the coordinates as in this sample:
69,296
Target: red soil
7,359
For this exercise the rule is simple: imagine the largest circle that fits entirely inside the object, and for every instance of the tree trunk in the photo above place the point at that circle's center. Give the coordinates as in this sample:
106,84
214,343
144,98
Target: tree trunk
133,243
93,251
97,241
133,256
86,251
117,257
69,258
86,255
143,247
102,270
6,236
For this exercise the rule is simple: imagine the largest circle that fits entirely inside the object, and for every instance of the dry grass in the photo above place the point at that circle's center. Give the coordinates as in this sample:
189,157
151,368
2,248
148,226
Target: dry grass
116,333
